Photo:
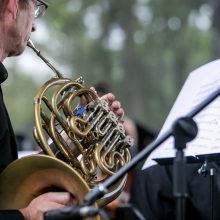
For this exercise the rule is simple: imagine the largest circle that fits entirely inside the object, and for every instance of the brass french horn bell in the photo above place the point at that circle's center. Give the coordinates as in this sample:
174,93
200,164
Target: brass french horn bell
83,145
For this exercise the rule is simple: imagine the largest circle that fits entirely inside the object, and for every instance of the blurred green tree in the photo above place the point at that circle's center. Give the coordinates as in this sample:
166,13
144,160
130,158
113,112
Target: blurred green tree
143,49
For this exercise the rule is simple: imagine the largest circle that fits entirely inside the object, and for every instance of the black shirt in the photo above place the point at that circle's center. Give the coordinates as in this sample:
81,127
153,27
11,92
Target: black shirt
152,193
8,146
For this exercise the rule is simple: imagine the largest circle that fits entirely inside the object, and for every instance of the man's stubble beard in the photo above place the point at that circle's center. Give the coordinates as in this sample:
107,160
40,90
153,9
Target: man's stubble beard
15,46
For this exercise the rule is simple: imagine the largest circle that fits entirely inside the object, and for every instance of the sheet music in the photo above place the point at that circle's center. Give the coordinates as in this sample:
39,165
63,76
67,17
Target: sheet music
200,84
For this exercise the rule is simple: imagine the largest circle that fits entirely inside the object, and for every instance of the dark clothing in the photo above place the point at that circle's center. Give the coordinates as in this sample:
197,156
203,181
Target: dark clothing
152,193
8,146
11,215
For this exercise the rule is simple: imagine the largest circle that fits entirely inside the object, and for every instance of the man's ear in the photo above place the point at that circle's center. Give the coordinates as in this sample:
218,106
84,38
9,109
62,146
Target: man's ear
11,8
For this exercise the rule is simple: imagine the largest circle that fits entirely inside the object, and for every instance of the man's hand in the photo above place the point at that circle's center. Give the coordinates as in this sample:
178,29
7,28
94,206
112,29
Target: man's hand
47,202
114,105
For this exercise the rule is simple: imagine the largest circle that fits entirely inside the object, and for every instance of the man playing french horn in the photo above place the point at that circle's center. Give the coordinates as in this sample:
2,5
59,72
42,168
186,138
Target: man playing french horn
17,21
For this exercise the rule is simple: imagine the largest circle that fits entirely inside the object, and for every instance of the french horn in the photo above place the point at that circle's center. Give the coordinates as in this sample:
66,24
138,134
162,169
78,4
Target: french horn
83,144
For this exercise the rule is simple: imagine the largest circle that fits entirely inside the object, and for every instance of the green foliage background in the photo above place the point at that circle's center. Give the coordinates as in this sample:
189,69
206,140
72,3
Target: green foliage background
143,49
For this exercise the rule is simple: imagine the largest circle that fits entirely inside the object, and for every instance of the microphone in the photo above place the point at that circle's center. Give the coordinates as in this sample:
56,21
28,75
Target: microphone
71,212
185,130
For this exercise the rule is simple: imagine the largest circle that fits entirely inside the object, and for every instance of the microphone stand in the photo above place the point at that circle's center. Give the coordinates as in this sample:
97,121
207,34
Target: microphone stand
71,212
184,130
101,189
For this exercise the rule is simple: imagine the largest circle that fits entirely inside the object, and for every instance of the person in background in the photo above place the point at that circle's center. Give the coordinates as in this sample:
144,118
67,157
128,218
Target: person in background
152,192
17,21
120,208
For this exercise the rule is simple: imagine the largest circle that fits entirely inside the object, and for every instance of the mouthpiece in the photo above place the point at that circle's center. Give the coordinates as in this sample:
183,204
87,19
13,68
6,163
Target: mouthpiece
31,45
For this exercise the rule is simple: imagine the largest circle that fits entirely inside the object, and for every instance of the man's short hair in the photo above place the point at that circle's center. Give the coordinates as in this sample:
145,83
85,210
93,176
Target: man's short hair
24,2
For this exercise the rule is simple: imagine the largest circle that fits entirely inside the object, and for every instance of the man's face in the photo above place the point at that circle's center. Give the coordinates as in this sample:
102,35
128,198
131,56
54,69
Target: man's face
22,28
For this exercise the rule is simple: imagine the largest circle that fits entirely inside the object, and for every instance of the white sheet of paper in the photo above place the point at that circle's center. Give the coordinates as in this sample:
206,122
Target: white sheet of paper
198,86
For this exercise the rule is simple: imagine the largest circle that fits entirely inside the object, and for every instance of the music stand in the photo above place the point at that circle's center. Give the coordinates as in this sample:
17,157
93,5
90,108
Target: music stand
100,190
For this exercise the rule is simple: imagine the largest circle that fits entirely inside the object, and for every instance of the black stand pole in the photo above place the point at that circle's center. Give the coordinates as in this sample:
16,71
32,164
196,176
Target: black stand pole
212,177
205,170
179,184
101,189
184,130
